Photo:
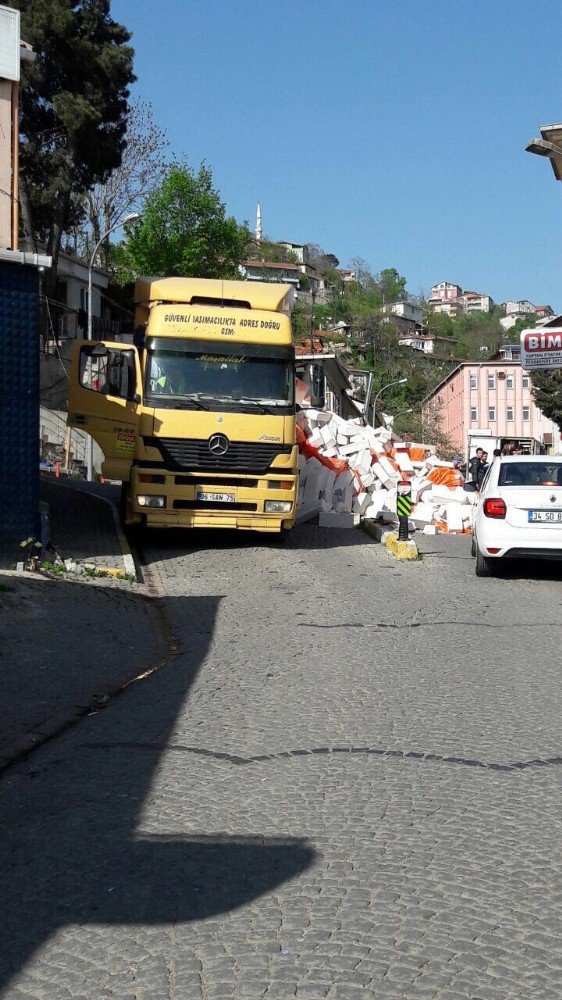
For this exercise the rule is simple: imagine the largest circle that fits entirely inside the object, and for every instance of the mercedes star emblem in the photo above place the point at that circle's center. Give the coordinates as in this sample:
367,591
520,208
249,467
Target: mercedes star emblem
218,444
553,499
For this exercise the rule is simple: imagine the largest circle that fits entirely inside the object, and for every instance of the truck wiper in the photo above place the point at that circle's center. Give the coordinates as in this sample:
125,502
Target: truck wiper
253,402
170,401
187,402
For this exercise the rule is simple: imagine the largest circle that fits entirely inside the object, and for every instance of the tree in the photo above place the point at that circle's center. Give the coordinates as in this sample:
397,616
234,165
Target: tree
184,231
547,392
138,174
324,263
73,111
391,284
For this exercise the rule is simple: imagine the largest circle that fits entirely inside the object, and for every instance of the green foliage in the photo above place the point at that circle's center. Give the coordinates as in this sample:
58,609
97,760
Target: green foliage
74,104
270,252
184,231
477,334
547,391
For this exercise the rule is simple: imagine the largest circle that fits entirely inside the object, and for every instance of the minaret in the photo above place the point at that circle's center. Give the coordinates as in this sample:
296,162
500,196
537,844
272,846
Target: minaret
259,233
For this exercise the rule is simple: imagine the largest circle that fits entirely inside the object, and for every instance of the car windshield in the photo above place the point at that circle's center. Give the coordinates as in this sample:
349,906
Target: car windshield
531,474
177,375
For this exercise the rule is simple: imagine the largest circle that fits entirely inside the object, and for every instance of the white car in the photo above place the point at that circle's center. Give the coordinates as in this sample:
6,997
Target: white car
519,511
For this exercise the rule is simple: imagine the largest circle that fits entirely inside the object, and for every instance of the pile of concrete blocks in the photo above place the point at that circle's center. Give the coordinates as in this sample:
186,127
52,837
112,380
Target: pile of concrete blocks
350,472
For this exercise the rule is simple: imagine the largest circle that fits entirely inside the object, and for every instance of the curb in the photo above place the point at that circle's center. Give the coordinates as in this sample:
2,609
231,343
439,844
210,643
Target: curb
389,538
126,553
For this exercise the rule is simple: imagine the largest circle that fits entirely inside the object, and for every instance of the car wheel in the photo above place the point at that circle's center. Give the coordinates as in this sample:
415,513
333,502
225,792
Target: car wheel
473,547
483,566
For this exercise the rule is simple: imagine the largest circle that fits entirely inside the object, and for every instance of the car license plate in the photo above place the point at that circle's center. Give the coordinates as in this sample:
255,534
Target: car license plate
216,497
545,516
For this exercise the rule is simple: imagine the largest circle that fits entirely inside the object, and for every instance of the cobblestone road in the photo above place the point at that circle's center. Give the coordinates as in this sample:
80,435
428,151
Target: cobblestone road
345,785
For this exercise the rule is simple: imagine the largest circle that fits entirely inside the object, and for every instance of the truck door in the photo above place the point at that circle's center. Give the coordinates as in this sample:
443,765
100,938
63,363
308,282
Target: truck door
105,392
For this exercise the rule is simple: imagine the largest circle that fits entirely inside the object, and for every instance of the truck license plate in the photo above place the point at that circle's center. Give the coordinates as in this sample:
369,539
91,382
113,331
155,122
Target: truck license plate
545,516
216,497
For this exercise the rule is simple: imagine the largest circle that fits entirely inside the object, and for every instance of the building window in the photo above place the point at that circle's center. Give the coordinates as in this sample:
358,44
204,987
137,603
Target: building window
510,413
84,299
491,413
526,413
539,413
525,381
473,413
473,380
509,382
491,381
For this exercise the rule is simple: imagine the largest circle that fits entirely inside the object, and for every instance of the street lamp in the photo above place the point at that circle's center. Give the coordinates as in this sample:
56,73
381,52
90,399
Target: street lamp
132,217
399,381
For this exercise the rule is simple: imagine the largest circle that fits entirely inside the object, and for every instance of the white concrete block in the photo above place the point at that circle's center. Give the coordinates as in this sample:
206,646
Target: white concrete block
441,493
454,517
333,519
367,478
435,463
429,529
389,469
404,461
375,507
361,502
348,449
423,514
327,437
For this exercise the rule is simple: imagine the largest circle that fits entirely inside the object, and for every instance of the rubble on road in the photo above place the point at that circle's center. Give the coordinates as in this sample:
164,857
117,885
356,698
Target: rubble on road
349,472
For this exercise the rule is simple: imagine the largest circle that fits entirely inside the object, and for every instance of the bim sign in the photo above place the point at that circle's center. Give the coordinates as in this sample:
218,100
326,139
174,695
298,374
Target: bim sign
541,348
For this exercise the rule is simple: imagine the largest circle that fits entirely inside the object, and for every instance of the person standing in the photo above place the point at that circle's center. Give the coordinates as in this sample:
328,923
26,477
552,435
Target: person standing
474,465
482,470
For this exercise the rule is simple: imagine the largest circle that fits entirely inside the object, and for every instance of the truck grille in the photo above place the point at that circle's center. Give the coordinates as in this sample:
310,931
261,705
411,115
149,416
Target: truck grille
193,453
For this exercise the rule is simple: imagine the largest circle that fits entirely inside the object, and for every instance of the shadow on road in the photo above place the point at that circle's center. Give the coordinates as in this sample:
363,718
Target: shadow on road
302,538
69,850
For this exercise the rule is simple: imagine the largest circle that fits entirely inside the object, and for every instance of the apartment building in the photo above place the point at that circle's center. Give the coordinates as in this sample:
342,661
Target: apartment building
495,396
470,302
406,316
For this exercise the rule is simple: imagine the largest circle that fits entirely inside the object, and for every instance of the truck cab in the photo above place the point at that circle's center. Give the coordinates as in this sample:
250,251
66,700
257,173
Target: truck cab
196,417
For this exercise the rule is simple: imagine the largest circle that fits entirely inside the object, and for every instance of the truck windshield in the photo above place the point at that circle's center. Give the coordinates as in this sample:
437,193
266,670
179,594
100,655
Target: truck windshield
173,376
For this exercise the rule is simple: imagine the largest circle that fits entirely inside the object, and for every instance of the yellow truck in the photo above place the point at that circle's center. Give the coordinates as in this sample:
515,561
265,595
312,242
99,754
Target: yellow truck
196,417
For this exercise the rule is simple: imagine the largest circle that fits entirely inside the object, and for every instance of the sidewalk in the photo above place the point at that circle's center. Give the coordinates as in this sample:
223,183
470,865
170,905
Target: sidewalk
68,644
83,527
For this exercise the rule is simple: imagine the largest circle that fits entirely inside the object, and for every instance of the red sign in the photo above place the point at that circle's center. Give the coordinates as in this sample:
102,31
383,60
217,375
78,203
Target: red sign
541,348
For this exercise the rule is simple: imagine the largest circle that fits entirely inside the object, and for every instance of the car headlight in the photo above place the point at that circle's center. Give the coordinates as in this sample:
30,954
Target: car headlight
151,501
278,506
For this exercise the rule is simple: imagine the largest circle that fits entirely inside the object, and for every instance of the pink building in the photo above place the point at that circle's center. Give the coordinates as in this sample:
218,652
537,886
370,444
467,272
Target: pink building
445,291
494,396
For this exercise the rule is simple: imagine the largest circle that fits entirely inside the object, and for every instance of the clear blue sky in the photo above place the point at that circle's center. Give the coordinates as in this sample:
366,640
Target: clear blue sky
392,130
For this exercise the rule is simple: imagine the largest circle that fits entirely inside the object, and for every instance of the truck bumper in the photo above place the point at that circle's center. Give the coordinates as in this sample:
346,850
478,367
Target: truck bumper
182,508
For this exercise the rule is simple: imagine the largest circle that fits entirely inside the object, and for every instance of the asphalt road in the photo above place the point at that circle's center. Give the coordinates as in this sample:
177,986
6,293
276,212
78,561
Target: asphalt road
344,784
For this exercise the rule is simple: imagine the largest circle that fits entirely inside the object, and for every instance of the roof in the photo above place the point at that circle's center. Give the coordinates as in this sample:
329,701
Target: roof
303,349
265,295
270,263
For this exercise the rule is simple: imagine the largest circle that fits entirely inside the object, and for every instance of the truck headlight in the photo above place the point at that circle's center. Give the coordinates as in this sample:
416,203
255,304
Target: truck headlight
147,501
278,506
